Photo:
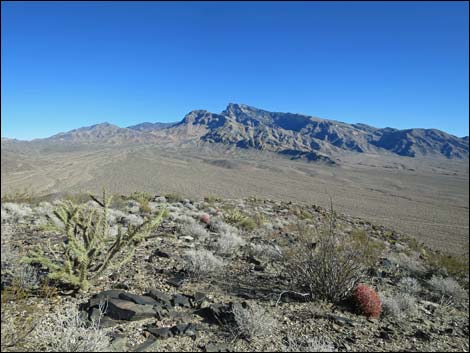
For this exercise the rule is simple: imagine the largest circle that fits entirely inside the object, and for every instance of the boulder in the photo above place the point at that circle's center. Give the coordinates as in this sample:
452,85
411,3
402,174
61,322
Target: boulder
119,309
138,299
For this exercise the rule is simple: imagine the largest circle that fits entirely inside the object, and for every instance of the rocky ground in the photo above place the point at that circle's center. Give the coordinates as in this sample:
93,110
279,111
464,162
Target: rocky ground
213,277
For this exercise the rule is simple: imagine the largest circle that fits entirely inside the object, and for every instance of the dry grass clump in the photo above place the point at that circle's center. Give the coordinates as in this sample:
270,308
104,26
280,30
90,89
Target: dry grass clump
398,305
194,230
239,219
252,321
409,264
410,285
228,243
15,211
266,250
200,263
308,344
447,290
66,331
219,226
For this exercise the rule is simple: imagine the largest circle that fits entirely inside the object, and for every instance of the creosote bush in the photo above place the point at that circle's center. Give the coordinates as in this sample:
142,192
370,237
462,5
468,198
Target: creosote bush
88,249
367,300
326,265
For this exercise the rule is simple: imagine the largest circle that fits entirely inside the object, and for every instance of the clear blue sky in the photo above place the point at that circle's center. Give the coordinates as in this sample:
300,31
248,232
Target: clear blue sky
67,65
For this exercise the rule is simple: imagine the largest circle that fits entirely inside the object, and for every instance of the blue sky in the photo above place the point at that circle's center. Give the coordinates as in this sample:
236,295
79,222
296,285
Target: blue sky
67,65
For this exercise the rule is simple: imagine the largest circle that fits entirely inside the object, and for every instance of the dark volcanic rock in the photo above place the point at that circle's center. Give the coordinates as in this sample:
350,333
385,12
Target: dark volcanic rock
138,299
180,300
160,297
160,332
176,281
104,296
217,313
119,309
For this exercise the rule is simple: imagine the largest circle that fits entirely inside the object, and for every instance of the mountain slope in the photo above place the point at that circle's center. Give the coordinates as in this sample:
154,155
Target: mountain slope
101,133
294,135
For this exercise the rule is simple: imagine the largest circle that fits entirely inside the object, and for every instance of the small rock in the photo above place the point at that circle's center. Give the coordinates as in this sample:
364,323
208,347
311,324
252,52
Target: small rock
424,336
147,345
216,313
160,297
198,298
102,297
159,253
175,281
180,300
161,332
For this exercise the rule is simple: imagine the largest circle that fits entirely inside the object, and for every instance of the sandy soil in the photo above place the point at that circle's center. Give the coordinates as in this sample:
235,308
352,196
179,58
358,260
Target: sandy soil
428,199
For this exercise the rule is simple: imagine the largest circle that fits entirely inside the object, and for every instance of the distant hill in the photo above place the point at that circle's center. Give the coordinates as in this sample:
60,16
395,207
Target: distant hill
294,135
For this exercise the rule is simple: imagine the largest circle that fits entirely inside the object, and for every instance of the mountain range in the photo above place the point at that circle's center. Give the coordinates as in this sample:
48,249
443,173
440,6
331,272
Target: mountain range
294,135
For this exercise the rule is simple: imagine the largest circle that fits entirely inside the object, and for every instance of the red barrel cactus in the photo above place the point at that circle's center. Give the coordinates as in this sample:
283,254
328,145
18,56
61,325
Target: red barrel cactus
367,301
205,218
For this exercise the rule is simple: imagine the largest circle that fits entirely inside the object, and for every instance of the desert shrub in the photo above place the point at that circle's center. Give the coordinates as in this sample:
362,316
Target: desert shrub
248,224
17,323
398,305
77,198
88,249
252,321
133,220
371,249
228,243
237,218
219,226
260,219
325,265
194,230
143,199
212,199
23,196
302,213
202,262
367,301
410,285
266,250
17,210
450,265
308,344
408,263
66,331
172,198
447,290
26,277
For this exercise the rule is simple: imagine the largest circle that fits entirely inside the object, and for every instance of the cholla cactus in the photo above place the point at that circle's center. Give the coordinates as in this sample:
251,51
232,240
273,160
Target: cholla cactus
89,249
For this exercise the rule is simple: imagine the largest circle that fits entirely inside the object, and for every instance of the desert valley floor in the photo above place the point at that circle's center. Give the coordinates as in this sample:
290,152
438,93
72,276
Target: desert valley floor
424,198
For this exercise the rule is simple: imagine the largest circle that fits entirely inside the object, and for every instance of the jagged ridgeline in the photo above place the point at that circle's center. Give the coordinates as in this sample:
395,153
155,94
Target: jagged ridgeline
297,136
88,248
